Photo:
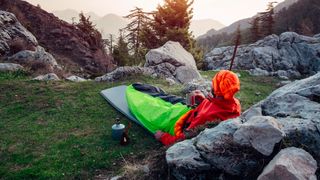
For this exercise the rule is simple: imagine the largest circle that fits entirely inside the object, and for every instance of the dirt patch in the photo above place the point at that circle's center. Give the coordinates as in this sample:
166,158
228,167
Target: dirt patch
150,166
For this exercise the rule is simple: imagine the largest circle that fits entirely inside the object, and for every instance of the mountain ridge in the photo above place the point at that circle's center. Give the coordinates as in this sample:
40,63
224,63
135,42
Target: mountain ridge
245,23
197,26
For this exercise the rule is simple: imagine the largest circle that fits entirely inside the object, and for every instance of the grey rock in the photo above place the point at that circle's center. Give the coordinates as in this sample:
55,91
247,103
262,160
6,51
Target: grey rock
39,55
200,84
283,77
170,81
296,107
283,83
10,67
123,72
76,79
47,77
173,61
290,163
294,54
171,52
218,148
253,111
10,31
116,177
184,159
185,74
260,132
258,72
10,28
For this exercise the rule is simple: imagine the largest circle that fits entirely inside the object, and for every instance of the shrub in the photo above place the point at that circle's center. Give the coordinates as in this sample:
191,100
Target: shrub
19,44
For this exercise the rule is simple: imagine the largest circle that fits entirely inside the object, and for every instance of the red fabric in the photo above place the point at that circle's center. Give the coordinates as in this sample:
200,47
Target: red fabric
214,109
167,139
209,110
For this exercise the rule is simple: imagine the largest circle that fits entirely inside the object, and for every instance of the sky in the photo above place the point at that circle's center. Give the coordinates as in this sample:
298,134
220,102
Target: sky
225,11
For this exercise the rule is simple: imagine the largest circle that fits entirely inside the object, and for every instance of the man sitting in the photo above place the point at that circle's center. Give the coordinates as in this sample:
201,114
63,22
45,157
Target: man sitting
221,106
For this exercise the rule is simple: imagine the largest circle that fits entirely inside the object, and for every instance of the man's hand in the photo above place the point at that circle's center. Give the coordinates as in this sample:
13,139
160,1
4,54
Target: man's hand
158,135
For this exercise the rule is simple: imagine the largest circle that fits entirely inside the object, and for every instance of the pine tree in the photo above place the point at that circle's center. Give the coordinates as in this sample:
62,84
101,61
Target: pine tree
267,20
85,24
120,52
172,21
139,19
255,29
87,27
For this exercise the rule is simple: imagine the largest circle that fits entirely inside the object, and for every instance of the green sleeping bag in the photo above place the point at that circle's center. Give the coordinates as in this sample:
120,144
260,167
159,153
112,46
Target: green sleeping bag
153,112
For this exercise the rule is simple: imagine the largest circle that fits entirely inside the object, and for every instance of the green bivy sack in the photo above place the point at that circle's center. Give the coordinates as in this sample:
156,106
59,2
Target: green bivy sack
154,113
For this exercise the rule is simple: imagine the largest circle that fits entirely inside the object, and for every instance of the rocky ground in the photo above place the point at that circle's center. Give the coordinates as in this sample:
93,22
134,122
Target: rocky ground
288,55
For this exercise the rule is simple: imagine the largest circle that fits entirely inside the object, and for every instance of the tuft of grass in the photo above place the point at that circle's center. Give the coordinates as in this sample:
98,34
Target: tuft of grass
62,130
16,75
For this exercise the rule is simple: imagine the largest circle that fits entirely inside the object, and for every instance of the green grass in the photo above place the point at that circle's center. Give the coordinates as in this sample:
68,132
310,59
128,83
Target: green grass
62,130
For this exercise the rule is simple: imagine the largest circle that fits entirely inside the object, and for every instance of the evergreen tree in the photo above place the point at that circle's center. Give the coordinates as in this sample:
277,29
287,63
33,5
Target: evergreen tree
301,17
110,43
139,19
172,21
148,36
120,52
255,29
86,26
267,20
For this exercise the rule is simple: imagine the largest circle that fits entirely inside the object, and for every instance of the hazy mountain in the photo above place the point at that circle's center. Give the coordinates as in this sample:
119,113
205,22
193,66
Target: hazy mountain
199,27
67,14
93,16
284,4
245,23
108,24
111,23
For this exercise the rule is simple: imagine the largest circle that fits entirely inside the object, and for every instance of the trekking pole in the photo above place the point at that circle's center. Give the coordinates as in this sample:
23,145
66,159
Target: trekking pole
238,37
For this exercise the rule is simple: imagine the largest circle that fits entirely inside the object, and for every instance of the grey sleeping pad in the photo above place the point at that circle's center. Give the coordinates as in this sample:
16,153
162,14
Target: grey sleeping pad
116,96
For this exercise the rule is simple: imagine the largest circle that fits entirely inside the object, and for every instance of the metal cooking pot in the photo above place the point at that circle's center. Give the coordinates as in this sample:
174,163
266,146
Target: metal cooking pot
117,130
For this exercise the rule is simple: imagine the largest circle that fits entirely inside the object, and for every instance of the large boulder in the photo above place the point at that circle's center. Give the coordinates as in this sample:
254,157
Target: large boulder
11,31
17,44
39,55
260,132
4,67
242,147
296,106
289,55
290,163
185,159
126,71
217,148
173,61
